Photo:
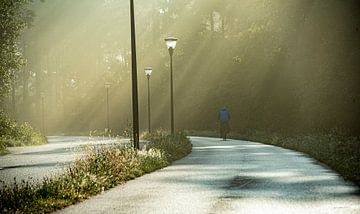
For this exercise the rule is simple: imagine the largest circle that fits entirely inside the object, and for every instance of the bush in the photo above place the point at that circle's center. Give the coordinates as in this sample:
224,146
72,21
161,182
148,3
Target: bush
99,169
175,146
13,134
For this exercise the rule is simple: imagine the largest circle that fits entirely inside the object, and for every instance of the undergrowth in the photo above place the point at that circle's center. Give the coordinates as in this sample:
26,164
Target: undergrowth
14,134
95,171
176,146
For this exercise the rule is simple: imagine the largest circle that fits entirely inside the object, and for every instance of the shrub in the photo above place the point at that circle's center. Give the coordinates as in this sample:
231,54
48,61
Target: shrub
175,146
14,134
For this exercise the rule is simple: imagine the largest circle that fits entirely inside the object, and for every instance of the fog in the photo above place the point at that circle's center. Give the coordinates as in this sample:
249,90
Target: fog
277,65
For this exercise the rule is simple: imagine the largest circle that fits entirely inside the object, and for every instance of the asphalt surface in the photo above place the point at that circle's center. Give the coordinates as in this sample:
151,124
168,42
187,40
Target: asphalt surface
33,163
231,177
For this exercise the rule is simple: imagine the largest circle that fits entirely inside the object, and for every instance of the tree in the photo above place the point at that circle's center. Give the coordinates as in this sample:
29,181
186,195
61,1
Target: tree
14,18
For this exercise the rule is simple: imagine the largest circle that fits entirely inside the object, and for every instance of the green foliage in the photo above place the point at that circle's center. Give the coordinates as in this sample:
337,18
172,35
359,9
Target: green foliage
14,18
176,146
14,134
101,168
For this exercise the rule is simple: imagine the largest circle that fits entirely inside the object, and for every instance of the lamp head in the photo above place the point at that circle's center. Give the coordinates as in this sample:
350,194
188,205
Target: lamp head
171,42
148,71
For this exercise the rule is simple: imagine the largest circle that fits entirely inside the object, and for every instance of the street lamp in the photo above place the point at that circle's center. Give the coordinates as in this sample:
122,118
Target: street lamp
135,103
107,86
171,44
56,90
43,112
13,82
148,72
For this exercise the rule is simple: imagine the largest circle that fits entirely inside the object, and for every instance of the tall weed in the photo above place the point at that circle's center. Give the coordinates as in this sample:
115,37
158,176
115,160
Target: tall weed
96,170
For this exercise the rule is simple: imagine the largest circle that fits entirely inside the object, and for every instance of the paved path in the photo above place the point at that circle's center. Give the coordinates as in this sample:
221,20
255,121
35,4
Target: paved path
231,177
36,162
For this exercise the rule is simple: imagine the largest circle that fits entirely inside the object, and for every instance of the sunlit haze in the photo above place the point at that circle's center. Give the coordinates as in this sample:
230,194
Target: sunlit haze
277,65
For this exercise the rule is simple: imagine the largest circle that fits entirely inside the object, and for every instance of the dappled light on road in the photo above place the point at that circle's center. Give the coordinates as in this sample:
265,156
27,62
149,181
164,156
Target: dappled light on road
231,177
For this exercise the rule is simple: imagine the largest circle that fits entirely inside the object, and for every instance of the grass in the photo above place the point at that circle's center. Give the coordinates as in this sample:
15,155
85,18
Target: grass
336,149
14,134
99,169
176,146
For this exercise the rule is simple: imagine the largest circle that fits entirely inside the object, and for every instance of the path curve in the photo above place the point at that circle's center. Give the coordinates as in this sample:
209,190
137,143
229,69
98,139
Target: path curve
33,163
231,177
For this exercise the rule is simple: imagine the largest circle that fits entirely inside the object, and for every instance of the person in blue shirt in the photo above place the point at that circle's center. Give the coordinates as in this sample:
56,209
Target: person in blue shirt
224,117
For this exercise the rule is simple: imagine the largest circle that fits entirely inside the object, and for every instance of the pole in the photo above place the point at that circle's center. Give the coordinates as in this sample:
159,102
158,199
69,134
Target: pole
134,80
107,109
148,77
171,51
56,92
13,95
43,114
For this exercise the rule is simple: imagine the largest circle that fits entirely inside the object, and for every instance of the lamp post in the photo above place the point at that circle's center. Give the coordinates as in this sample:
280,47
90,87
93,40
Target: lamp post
171,44
135,103
13,94
43,112
56,90
148,72
107,86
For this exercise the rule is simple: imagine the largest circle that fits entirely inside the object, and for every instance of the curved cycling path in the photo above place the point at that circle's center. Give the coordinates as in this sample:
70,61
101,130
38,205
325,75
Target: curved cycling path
231,177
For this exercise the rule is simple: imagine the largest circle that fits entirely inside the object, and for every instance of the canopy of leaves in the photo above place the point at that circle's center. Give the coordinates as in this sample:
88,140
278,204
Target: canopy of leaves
14,18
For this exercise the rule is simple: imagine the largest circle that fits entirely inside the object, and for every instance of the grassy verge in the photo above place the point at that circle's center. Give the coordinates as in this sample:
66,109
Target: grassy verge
335,149
101,168
175,146
14,134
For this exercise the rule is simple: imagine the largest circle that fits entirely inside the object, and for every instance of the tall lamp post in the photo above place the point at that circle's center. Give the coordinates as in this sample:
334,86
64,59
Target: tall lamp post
148,72
43,112
107,86
135,103
171,44
13,94
56,90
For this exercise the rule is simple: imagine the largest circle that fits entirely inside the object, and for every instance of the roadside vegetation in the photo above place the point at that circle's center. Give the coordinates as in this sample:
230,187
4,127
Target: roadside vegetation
175,146
97,170
15,134
336,149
